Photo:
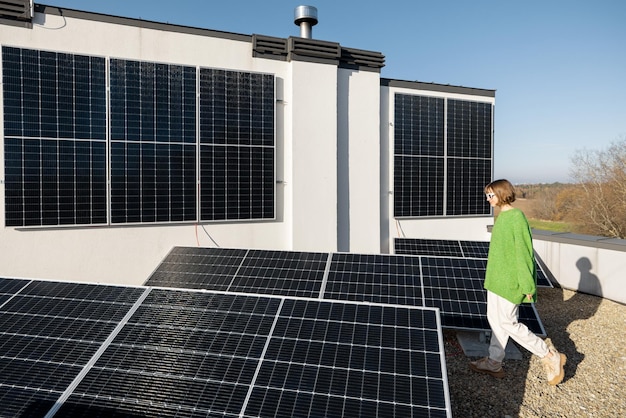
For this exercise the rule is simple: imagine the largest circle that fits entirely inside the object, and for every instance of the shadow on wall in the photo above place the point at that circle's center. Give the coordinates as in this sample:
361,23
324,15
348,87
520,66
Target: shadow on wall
588,282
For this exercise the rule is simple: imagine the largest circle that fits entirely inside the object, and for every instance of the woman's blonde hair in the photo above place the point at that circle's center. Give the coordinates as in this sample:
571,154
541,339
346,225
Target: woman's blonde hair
503,189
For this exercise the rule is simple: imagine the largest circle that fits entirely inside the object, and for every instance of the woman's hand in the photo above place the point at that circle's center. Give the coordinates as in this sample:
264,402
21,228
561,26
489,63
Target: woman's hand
529,296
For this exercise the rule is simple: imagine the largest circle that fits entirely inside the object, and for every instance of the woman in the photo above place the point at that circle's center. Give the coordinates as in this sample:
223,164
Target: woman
510,280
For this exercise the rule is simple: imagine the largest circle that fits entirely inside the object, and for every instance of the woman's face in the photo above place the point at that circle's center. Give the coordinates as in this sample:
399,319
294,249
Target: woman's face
492,198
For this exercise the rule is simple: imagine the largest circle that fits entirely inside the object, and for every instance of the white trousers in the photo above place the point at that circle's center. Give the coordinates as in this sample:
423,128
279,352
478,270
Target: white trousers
502,317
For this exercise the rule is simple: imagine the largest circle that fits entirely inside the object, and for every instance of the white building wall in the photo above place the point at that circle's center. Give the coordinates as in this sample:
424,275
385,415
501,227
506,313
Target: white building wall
312,182
359,161
583,264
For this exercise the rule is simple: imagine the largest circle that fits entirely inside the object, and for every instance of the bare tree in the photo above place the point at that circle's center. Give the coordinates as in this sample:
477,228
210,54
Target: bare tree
601,174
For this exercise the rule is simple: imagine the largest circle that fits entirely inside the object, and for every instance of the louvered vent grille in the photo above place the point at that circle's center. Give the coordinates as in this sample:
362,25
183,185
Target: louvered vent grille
362,58
15,9
314,48
267,45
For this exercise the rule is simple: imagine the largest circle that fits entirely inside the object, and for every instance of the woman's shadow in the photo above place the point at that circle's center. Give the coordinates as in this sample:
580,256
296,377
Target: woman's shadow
559,313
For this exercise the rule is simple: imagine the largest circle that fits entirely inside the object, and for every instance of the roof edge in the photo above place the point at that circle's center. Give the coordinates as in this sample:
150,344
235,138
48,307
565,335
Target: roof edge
140,23
445,88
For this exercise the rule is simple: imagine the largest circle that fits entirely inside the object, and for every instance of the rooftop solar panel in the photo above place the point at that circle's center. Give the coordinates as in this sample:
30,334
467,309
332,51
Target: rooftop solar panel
48,333
190,353
427,247
454,248
287,273
198,268
333,359
374,278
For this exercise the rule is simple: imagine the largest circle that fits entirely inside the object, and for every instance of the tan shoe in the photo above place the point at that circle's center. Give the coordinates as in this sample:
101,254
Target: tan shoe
553,364
488,366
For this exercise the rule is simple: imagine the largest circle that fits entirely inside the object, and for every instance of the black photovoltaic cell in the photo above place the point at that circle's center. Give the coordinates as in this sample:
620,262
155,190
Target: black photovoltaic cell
454,248
189,353
198,268
54,138
418,186
466,179
455,286
286,273
375,278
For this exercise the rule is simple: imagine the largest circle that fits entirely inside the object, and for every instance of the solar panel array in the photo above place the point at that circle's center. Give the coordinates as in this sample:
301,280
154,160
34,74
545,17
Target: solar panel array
442,156
71,350
455,248
163,143
454,285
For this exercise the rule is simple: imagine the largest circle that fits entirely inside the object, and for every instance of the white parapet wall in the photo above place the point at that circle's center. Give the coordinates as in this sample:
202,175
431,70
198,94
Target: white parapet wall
588,264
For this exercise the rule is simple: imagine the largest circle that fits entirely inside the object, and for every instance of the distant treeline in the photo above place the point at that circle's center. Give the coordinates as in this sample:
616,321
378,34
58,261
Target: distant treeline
595,204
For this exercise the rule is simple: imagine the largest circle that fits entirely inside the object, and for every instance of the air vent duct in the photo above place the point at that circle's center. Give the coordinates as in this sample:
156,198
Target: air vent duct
306,18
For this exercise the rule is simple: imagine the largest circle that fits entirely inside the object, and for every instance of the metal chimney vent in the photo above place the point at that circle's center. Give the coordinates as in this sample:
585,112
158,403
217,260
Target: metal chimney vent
306,18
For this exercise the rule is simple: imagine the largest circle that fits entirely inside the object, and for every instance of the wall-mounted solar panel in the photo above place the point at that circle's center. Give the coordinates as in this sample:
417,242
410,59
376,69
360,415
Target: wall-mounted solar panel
237,156
54,138
465,181
153,142
442,156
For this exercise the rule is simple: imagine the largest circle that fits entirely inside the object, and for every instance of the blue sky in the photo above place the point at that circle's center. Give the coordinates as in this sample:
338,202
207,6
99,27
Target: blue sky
558,67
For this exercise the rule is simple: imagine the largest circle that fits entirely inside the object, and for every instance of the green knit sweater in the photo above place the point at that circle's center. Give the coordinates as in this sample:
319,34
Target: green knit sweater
511,271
